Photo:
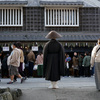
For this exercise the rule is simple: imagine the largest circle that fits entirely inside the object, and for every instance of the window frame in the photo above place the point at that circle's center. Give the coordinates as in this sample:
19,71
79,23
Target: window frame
17,21
61,25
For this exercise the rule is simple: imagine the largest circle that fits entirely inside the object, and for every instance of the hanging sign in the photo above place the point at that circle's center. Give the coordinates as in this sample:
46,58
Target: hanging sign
34,48
5,48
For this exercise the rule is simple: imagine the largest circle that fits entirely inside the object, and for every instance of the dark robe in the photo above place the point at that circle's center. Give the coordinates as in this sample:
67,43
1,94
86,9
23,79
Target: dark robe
4,67
53,62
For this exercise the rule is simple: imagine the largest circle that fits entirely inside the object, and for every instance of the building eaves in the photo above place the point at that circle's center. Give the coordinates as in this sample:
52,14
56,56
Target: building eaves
60,3
26,36
37,3
13,2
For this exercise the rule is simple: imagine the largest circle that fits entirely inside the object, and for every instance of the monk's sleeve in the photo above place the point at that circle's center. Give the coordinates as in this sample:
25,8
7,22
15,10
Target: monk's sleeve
62,61
45,55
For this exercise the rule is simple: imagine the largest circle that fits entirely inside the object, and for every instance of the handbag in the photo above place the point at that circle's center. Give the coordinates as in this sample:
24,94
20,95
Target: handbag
67,64
23,66
35,67
8,60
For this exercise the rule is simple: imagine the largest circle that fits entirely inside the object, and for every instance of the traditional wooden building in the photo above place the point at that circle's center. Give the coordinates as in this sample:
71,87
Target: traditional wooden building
28,21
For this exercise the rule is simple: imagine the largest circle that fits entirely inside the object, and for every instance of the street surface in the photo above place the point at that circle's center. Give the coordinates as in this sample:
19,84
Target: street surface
70,88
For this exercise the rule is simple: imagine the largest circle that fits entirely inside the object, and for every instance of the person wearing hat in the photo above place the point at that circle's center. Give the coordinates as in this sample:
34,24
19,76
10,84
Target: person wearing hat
95,61
53,59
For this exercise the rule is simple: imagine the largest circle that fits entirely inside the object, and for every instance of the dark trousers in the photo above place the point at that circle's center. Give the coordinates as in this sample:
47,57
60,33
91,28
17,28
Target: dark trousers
4,73
92,71
20,70
87,71
67,73
40,70
81,70
76,73
31,64
26,71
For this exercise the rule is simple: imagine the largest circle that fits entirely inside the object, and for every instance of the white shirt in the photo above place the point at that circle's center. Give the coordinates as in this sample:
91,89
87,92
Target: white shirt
95,56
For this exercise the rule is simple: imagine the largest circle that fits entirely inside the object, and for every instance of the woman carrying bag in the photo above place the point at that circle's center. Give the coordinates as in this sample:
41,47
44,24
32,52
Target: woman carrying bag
39,62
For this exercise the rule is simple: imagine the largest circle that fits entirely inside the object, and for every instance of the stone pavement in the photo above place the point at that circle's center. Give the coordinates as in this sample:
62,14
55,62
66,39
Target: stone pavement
70,89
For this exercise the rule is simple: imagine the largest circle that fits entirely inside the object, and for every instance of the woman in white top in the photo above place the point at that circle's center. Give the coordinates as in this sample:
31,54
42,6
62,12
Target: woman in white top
95,61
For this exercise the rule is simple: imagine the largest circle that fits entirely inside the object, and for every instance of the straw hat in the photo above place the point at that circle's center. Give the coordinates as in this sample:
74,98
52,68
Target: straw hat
53,35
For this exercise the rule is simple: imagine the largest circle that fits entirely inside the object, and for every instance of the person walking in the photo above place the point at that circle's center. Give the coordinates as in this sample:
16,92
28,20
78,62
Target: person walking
75,65
14,62
95,61
31,60
53,59
86,64
20,68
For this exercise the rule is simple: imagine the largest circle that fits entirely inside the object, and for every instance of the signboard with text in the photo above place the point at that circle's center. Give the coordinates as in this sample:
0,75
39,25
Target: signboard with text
34,48
5,48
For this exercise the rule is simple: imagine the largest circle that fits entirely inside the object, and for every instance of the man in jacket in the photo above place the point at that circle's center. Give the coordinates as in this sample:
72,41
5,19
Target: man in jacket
75,65
86,64
31,60
14,64
95,60
81,68
20,68
53,59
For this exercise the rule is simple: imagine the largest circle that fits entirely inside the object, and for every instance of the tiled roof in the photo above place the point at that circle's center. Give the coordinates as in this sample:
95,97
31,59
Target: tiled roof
26,36
60,3
87,3
13,2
